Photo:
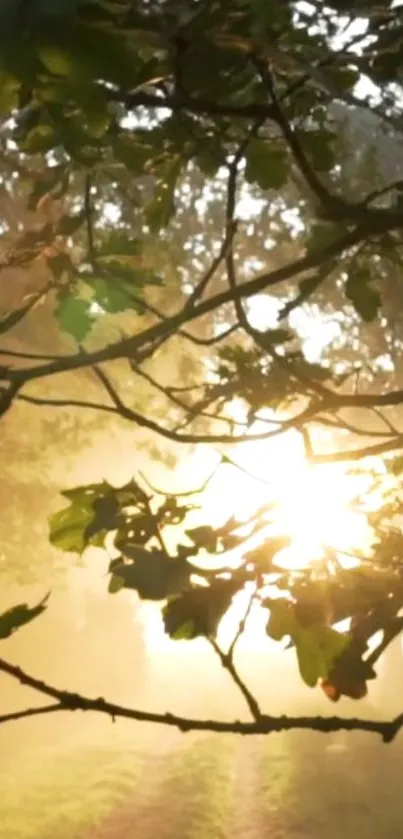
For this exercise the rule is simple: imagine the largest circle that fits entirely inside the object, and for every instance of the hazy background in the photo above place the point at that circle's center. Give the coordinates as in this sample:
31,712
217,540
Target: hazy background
80,776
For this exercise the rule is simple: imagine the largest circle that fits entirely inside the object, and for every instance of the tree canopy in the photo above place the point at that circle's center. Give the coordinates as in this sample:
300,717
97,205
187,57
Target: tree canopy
202,237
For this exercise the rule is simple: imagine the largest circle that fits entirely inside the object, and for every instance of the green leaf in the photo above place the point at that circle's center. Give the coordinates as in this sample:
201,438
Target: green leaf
74,316
162,207
198,611
204,537
263,555
67,527
317,650
310,658
318,145
56,60
41,138
282,619
77,141
95,116
53,8
268,13
153,574
366,300
18,616
110,296
92,512
209,161
88,494
130,275
185,632
266,165
9,93
118,243
395,465
68,225
106,509
65,51
273,337
8,13
320,237
131,152
116,583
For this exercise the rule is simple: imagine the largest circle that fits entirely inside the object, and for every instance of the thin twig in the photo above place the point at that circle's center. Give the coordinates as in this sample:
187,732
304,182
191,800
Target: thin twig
242,624
88,218
228,664
31,712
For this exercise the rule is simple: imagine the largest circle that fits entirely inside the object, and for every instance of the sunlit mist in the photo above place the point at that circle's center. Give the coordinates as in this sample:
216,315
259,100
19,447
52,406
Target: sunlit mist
316,506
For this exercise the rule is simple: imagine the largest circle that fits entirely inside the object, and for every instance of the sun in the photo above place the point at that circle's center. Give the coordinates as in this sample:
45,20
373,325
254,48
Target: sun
315,506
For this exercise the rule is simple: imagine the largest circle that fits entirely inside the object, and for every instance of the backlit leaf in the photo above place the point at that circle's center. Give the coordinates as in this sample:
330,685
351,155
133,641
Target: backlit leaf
282,619
153,574
116,583
74,316
317,649
365,299
119,243
18,616
58,61
9,93
68,225
67,528
266,165
198,611
204,537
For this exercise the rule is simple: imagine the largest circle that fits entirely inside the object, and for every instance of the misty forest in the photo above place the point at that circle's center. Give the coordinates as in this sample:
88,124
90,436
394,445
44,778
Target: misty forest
201,419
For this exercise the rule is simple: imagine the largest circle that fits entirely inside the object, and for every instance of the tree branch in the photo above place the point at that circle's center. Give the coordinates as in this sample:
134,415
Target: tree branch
127,347
228,664
203,107
31,712
265,724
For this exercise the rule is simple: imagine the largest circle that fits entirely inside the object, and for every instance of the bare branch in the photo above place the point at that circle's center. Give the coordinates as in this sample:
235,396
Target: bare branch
89,218
196,106
31,712
228,664
390,445
29,355
242,624
264,724
201,286
128,347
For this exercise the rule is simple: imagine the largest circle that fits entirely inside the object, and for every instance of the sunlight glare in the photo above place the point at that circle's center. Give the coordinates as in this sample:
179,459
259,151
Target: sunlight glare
313,505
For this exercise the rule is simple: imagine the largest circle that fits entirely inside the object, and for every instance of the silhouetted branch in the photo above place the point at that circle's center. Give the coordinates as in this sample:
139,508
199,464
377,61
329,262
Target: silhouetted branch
89,218
242,624
29,355
228,665
201,286
265,724
13,318
358,454
196,106
65,403
128,347
31,712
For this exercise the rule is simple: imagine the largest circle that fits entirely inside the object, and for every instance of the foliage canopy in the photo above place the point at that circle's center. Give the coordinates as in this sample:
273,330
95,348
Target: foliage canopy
181,163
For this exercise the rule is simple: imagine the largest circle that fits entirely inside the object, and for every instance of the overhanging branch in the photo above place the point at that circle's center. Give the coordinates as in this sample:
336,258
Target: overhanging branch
265,724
